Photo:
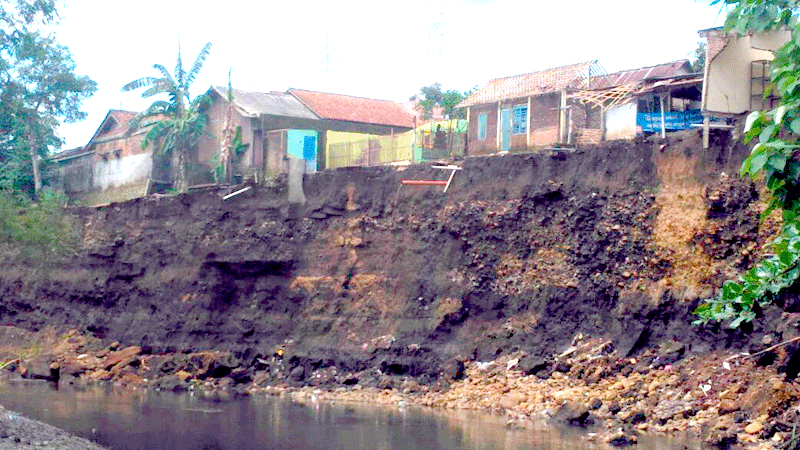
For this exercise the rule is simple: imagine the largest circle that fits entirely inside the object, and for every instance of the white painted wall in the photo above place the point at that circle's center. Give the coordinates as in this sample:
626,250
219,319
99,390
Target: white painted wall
728,80
116,172
620,122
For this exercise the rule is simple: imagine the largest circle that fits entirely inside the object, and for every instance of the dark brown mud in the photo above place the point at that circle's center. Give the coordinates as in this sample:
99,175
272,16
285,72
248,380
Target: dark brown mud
523,253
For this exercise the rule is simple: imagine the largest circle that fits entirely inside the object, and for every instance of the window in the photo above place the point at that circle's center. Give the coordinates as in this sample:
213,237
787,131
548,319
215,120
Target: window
520,120
482,121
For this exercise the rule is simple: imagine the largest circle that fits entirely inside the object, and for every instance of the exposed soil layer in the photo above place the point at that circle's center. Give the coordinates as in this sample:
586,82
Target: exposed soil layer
371,279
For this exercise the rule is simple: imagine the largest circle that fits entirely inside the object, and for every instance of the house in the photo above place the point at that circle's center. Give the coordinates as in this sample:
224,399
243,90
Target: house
276,126
660,98
112,166
737,70
532,110
254,116
737,73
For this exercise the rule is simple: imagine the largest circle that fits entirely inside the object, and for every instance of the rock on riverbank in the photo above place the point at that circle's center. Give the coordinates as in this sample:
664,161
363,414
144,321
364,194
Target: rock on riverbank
18,432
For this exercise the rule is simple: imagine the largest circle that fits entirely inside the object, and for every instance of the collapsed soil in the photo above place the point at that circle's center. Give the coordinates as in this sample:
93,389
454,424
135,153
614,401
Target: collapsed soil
581,268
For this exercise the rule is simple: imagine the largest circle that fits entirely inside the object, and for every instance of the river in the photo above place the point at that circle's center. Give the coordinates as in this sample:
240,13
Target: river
126,419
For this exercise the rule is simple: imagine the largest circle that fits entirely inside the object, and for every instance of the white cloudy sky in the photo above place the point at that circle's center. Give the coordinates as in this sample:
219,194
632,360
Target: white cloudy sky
364,47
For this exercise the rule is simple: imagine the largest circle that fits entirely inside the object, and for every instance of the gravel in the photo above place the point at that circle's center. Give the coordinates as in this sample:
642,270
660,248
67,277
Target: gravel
19,432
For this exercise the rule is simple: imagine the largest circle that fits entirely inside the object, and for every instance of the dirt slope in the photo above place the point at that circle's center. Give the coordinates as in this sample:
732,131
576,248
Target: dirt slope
521,254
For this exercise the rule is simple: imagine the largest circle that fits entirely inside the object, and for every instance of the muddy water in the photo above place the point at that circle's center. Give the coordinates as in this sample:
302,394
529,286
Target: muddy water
144,419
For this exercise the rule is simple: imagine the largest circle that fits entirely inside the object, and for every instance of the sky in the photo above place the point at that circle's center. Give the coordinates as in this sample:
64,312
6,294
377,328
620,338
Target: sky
363,48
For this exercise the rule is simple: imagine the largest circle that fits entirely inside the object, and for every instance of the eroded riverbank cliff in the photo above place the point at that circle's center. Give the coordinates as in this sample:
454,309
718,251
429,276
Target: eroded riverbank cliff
525,258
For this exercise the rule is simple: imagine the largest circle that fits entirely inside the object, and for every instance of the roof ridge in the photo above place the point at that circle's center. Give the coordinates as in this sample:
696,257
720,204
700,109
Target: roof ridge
250,92
594,61
342,95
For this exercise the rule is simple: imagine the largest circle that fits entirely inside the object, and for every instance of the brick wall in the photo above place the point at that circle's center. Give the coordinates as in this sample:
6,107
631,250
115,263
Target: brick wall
477,146
545,112
543,125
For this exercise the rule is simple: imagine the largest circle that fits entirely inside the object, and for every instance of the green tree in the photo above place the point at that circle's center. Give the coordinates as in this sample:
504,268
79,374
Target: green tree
698,58
38,85
176,124
433,96
775,157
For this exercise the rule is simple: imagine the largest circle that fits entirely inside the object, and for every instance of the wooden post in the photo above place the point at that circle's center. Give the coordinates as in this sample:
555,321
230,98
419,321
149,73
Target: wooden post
528,125
663,121
469,126
706,131
569,125
498,129
562,117
602,124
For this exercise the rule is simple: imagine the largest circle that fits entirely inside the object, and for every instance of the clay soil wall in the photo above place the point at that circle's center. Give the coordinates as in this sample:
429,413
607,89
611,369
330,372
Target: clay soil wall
523,252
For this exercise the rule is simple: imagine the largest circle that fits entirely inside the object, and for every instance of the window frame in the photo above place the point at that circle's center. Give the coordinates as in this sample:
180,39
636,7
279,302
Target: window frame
483,126
519,125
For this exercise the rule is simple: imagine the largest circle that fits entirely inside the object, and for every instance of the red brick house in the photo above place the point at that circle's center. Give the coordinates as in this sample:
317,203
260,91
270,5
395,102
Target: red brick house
532,110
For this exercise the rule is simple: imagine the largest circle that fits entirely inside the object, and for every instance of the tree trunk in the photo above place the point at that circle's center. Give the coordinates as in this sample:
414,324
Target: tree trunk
182,177
32,146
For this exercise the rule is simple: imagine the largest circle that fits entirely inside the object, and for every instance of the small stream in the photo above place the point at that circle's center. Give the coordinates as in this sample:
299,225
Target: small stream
126,419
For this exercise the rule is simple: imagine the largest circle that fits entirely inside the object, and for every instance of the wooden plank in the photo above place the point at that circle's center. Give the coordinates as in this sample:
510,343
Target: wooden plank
424,182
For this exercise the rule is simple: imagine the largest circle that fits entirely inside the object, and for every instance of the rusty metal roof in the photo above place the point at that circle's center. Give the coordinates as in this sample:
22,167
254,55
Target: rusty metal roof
574,76
355,109
666,70
255,104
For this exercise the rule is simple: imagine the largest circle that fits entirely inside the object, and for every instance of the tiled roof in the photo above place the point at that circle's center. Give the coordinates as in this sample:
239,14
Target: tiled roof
355,109
68,154
666,70
533,84
114,125
254,104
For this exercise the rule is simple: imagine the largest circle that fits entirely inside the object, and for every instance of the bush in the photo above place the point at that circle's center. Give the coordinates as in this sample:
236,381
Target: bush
37,232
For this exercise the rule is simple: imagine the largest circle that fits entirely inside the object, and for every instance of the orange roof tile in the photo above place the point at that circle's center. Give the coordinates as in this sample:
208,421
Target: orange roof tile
119,126
355,109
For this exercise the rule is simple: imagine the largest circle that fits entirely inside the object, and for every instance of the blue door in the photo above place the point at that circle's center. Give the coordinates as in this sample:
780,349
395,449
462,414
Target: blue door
310,153
505,129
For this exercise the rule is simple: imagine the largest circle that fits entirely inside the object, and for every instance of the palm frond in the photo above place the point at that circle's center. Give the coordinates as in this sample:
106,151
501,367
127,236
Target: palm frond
230,87
156,136
157,107
158,87
180,74
198,64
141,82
165,75
199,102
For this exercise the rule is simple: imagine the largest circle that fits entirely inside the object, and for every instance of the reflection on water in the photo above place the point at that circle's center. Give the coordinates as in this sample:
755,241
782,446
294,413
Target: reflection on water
144,419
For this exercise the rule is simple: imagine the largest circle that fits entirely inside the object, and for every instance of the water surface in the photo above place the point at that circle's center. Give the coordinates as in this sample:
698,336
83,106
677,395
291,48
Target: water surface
125,419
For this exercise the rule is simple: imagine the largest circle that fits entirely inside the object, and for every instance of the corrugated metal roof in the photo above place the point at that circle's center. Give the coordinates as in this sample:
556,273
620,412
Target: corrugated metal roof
670,69
534,83
355,109
254,104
